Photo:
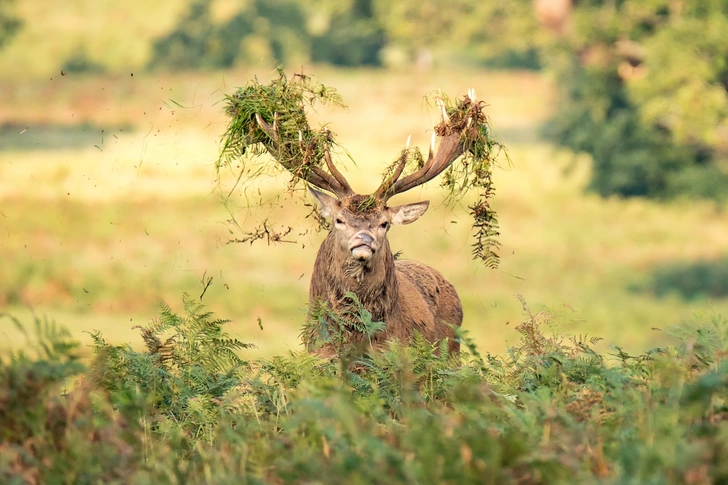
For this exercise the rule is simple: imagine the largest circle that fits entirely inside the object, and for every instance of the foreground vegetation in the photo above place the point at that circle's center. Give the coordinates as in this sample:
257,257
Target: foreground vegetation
190,408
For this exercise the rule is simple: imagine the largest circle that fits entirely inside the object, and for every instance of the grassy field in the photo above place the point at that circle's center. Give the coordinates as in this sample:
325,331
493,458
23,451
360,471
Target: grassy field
109,201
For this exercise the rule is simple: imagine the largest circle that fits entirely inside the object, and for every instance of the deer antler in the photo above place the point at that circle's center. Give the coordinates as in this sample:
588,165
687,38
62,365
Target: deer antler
332,182
452,145
387,184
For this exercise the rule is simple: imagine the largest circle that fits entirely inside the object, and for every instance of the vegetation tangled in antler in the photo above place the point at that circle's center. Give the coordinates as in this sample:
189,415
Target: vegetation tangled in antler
282,105
272,118
467,120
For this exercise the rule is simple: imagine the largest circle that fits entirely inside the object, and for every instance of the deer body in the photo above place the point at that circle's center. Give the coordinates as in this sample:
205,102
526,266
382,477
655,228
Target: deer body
407,296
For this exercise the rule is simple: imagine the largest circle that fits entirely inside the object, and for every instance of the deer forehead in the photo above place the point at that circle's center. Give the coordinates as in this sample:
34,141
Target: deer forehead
369,218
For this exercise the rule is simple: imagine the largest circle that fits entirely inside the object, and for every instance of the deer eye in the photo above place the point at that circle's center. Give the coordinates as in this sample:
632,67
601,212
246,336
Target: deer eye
384,225
339,221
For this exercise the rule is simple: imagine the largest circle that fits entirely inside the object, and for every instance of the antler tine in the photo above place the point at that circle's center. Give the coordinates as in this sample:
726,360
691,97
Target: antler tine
452,145
326,181
450,149
346,188
443,111
382,192
437,162
334,182
271,131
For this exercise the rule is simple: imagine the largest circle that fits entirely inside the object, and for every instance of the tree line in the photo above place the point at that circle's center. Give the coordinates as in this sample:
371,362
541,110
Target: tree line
643,84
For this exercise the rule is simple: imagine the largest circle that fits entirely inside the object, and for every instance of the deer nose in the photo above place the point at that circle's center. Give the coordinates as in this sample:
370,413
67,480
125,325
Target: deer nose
363,238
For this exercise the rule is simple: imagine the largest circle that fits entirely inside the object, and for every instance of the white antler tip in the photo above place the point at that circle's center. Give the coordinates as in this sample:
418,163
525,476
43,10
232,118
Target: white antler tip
409,140
300,135
443,111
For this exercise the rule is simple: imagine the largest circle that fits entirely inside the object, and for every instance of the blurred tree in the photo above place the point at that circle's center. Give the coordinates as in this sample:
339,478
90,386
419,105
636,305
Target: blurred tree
466,28
81,62
339,32
260,30
345,32
644,83
644,91
9,24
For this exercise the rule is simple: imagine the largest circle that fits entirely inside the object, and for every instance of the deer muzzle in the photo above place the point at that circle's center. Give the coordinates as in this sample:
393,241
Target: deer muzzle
362,246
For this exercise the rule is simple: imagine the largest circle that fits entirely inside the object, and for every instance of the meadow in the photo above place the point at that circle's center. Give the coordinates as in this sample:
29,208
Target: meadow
110,202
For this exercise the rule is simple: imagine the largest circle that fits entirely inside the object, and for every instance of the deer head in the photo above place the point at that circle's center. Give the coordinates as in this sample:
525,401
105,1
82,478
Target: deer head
358,233
273,118
360,223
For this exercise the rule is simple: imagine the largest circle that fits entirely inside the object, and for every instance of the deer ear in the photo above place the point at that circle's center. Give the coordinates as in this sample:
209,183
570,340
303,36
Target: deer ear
328,204
406,214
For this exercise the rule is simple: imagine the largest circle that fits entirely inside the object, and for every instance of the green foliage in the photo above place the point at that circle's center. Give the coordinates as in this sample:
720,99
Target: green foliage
341,330
9,24
185,376
552,410
645,92
475,171
50,434
691,280
706,335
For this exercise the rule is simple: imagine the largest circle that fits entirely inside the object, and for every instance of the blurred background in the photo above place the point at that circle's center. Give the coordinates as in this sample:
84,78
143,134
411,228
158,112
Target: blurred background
612,214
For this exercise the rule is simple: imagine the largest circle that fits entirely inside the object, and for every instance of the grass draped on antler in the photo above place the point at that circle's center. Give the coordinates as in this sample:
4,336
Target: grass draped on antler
272,118
281,104
474,170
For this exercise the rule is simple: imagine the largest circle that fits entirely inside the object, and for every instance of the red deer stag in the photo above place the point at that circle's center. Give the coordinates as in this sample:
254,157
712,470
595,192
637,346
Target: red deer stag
355,257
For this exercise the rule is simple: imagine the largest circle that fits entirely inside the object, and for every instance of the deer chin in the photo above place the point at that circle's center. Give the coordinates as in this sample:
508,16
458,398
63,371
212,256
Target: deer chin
355,269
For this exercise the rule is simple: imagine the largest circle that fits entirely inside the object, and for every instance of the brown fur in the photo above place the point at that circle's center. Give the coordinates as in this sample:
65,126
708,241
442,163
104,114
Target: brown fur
407,295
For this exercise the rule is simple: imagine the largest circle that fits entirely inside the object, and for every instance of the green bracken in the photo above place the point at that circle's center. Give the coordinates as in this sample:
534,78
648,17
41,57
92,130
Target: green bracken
551,410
